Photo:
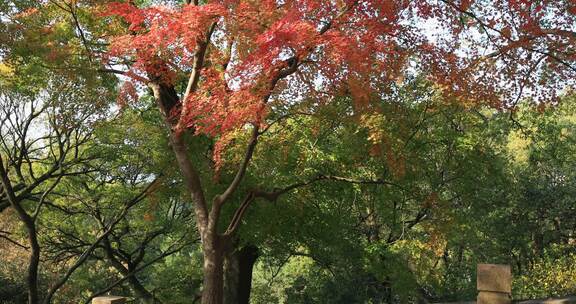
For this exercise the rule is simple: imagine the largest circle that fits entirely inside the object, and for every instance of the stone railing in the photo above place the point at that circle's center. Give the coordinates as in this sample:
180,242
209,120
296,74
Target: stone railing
494,284
109,300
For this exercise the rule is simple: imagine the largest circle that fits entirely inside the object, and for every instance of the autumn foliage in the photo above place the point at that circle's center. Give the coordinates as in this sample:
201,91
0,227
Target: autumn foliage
478,53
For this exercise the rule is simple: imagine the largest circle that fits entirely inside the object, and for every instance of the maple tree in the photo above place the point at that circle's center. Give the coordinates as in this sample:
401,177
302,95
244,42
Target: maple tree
247,59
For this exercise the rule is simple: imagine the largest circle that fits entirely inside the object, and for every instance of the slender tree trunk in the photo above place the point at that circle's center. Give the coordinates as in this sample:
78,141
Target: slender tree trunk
32,279
141,291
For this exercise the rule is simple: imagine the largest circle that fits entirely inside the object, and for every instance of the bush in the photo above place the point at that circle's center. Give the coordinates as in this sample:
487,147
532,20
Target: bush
550,276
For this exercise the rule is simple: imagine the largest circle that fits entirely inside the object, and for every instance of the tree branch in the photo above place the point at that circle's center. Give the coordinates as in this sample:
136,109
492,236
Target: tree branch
198,64
137,270
143,194
3,236
239,214
222,198
274,195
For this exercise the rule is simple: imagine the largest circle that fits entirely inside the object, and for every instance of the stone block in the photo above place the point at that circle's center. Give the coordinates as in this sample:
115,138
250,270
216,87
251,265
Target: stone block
109,300
493,277
488,297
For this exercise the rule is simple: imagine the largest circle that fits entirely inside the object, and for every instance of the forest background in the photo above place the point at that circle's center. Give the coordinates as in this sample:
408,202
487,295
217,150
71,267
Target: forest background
238,152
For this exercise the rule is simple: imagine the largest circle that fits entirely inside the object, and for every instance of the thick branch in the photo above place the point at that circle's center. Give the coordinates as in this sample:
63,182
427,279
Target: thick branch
242,170
198,63
274,195
239,214
191,180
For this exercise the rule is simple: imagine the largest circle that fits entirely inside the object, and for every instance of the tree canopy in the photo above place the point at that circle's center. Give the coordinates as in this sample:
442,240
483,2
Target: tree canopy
304,146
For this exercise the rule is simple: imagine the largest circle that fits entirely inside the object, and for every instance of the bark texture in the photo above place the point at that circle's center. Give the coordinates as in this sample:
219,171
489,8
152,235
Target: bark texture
213,284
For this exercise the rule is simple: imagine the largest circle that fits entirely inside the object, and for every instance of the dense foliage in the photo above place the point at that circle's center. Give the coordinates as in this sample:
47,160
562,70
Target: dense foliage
263,151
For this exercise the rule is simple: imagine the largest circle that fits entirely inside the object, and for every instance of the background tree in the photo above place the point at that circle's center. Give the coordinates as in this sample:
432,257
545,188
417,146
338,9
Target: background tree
155,228
42,137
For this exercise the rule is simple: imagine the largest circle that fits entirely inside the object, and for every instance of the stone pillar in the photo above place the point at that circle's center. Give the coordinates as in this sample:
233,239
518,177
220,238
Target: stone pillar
109,300
494,284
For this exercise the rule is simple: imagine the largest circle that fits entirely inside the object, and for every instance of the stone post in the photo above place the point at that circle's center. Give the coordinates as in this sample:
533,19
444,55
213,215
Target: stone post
109,300
494,284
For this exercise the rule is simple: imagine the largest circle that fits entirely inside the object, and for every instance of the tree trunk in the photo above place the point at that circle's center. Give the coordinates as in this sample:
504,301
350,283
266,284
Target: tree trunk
247,259
32,280
33,297
231,278
227,276
213,285
141,291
